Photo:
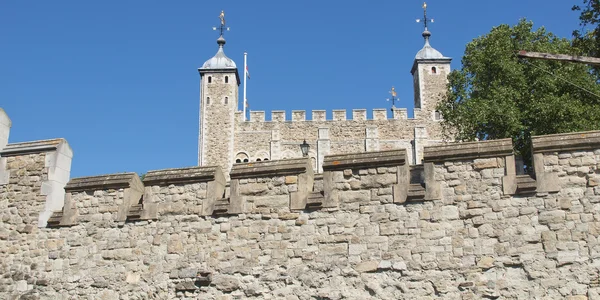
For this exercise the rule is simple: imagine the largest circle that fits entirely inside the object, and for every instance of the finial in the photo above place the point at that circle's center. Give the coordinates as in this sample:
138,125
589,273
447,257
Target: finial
393,99
426,34
222,28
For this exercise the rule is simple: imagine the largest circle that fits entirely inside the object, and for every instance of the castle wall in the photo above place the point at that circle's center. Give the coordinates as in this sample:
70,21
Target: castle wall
464,226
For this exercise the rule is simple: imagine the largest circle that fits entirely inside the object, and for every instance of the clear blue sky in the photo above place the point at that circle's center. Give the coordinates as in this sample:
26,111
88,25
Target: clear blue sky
119,79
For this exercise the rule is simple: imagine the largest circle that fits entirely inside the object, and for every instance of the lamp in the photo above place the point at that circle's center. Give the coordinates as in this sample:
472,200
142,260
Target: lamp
304,147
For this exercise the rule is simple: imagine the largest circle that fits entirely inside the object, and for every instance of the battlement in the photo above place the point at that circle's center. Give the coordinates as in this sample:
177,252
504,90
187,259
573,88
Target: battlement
460,220
377,114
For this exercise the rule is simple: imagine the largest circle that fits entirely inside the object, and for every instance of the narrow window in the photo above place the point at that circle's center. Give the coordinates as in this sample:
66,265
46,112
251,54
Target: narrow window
209,79
245,160
226,100
438,115
258,159
226,79
237,161
433,70
207,100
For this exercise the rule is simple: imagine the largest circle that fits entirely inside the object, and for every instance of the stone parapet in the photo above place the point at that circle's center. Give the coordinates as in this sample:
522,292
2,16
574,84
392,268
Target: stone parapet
470,150
492,156
286,182
549,149
360,170
22,148
269,168
588,140
197,189
56,155
365,160
183,175
104,182
118,195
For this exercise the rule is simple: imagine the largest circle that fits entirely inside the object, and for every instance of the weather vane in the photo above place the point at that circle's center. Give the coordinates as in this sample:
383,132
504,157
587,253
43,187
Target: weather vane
425,19
393,99
222,27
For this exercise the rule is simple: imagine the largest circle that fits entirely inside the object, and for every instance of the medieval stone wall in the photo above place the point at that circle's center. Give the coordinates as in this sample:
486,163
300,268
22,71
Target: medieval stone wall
278,138
463,225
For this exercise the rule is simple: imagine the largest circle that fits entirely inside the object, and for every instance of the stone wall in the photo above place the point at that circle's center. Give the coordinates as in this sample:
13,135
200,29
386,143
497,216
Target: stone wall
278,139
461,226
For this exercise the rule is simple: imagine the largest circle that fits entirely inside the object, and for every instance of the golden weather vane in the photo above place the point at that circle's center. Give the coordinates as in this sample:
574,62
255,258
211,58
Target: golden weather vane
222,17
222,27
393,99
425,19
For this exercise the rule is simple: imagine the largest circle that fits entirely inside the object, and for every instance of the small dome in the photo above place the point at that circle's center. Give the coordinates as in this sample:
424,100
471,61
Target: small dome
428,52
220,60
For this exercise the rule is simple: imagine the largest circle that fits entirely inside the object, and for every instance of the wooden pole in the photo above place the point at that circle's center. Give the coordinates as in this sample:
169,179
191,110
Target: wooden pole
560,57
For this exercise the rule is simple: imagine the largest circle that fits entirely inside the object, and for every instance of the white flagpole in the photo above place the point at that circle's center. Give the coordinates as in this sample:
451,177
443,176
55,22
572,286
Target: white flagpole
245,77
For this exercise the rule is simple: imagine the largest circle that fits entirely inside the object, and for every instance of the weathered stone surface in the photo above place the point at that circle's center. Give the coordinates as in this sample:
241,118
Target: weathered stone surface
474,241
367,266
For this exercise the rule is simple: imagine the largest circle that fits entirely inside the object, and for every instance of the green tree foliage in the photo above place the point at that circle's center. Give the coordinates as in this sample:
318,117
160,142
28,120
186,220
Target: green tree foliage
587,39
497,95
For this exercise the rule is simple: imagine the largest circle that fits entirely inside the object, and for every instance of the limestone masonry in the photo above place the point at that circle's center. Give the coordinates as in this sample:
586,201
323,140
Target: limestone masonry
462,225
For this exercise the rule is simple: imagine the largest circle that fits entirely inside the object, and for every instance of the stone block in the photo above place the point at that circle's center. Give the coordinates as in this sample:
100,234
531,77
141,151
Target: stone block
355,196
548,217
276,201
367,266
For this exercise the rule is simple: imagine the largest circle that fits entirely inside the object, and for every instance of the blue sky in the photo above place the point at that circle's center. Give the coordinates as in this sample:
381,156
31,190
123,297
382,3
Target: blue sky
119,79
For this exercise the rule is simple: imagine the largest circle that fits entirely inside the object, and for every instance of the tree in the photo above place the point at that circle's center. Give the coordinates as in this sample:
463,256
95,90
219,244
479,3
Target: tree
497,95
587,39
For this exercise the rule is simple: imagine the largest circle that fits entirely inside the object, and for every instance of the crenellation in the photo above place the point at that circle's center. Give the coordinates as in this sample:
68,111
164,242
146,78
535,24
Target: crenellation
339,115
298,115
380,114
278,116
359,114
399,114
257,116
319,115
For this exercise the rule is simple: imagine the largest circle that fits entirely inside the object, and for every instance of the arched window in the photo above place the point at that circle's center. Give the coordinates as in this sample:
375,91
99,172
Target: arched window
245,160
226,100
207,100
258,159
226,79
237,161
209,79
265,159
433,70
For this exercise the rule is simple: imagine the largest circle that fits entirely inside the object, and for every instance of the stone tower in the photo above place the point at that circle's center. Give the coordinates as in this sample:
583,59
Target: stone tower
430,78
219,81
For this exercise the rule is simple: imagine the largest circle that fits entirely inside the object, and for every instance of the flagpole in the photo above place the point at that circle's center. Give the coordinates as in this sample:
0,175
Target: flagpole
245,77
